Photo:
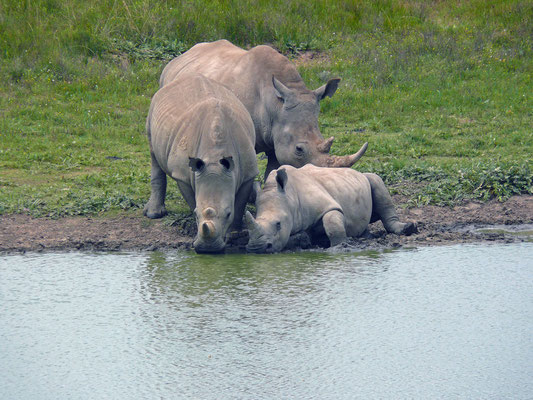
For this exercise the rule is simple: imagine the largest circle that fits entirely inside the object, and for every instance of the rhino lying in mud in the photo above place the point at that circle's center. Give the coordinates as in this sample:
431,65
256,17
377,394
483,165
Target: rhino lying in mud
339,202
201,135
284,111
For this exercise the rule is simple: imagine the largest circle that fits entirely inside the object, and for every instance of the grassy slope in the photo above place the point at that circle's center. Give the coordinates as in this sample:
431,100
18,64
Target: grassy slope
442,92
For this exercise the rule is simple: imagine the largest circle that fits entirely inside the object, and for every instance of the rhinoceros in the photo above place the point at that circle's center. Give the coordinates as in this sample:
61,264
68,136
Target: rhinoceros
339,202
201,135
284,111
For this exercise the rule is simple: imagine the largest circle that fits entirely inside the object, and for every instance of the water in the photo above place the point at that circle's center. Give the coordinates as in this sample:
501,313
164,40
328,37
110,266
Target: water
443,322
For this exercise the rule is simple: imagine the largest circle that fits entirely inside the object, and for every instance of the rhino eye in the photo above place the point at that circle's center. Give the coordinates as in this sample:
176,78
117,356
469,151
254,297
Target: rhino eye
278,226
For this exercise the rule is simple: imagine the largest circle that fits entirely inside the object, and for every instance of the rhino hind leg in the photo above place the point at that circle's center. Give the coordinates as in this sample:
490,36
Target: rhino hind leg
383,208
155,208
333,222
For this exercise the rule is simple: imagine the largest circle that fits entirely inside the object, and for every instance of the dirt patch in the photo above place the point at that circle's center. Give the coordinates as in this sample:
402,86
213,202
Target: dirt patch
310,57
436,225
24,233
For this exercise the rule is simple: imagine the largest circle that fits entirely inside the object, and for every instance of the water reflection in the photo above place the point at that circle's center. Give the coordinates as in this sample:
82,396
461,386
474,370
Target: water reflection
242,301
193,275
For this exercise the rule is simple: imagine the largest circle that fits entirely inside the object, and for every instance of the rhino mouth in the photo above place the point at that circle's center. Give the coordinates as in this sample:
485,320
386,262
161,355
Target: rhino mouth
260,248
211,246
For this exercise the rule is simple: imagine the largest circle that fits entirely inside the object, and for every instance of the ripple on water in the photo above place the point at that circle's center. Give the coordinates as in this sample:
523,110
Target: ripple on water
451,321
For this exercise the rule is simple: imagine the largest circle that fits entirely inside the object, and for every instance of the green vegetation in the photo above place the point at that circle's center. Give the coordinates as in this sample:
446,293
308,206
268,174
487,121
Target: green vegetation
442,91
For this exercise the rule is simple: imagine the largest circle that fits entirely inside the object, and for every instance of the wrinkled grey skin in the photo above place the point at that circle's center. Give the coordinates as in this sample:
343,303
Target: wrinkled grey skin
339,202
201,135
284,111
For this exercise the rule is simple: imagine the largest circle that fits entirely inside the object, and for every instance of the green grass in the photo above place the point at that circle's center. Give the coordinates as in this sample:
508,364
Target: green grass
441,91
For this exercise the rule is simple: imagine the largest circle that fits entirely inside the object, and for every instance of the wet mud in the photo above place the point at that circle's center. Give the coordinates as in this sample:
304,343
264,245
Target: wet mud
508,222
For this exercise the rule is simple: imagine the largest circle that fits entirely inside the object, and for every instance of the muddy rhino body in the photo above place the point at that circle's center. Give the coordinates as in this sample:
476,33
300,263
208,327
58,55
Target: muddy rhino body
338,202
202,136
284,111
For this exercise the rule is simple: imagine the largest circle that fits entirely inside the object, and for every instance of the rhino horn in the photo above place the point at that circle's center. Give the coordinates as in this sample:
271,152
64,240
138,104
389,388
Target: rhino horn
325,146
250,222
344,161
208,230
209,212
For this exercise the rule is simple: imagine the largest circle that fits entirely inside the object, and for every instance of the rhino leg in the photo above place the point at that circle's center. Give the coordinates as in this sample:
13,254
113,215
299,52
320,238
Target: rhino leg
383,208
155,208
333,222
256,187
272,164
241,198
188,194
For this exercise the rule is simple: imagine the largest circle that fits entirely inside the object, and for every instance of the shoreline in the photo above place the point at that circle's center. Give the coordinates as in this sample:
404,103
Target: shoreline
21,233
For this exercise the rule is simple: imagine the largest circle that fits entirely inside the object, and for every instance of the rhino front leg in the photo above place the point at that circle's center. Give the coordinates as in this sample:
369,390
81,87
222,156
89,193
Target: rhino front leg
272,164
241,198
256,187
383,208
187,193
333,222
155,208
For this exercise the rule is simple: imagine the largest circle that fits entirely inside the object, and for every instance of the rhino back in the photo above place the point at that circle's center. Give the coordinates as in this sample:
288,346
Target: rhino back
247,73
216,60
335,188
196,117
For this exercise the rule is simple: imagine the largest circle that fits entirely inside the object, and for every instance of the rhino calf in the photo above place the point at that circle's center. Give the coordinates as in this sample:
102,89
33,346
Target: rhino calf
339,202
201,135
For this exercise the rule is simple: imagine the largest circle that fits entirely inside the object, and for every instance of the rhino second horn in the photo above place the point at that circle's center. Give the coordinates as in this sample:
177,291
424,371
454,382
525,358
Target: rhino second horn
209,212
208,230
345,161
325,146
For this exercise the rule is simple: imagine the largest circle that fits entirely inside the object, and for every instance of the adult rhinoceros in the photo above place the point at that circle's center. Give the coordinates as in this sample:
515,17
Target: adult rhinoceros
284,111
201,135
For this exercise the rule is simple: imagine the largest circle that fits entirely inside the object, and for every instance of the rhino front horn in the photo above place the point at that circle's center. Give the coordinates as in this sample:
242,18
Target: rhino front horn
345,161
208,230
250,221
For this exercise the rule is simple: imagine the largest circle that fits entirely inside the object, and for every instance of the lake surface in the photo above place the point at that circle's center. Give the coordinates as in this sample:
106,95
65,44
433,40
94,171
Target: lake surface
451,322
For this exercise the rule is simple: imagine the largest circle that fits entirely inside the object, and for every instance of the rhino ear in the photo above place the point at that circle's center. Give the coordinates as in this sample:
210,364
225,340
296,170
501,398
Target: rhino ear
281,179
282,91
328,89
196,164
227,163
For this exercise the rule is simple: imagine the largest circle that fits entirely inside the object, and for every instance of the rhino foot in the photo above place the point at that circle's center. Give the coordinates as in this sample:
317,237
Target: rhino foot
367,235
409,229
154,212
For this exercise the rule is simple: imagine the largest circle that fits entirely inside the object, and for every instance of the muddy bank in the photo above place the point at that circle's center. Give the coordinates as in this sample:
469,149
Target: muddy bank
436,225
